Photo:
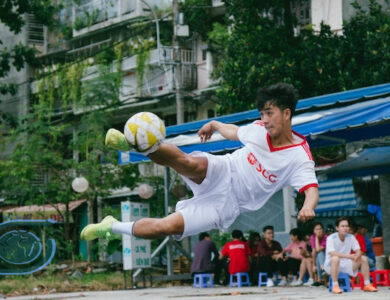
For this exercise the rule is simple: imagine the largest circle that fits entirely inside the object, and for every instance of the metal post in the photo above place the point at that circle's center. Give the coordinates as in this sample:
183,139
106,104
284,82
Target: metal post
179,98
166,204
157,28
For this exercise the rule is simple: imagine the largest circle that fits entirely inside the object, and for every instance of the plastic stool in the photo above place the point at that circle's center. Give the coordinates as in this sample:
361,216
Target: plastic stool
383,278
241,279
263,278
345,282
203,280
361,281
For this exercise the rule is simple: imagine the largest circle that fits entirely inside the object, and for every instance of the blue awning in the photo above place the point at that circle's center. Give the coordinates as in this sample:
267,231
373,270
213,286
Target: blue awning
370,119
302,105
368,161
343,97
336,194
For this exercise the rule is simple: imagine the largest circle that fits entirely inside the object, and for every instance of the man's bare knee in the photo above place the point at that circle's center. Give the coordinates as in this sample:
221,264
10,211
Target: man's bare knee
334,259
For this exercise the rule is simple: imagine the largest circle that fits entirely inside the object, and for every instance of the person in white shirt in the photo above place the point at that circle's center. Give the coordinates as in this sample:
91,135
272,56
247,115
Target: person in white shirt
273,156
343,254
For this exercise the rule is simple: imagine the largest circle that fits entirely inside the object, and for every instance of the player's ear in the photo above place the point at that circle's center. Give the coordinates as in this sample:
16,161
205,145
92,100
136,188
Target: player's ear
287,113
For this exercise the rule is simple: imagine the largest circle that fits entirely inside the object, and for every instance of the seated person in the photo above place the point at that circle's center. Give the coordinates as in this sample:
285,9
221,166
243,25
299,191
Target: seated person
203,251
339,258
270,257
318,244
296,261
238,253
362,229
253,242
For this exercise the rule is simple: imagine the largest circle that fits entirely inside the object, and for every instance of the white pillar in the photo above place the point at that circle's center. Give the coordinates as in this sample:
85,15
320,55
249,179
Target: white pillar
289,209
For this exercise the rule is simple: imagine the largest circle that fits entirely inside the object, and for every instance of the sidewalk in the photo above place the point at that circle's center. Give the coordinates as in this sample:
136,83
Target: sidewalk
217,293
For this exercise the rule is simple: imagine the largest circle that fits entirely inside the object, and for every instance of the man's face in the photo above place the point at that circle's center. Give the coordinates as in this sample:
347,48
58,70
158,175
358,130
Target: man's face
275,119
269,234
343,227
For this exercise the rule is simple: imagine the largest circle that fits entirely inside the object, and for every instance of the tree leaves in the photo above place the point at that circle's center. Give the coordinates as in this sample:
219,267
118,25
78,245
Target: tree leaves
260,51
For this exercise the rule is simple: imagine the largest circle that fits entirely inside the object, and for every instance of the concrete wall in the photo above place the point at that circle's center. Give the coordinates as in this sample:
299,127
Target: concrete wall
349,11
272,213
16,104
327,11
384,186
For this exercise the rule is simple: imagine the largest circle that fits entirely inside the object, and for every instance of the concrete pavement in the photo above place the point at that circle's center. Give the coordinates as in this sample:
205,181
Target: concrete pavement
216,293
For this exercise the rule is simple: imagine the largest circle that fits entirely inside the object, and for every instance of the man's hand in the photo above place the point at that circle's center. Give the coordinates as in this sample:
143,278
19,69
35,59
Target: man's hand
277,256
305,214
355,257
228,131
206,132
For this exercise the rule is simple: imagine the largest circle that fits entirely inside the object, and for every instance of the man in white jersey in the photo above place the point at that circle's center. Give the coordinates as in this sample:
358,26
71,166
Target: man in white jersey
273,156
343,255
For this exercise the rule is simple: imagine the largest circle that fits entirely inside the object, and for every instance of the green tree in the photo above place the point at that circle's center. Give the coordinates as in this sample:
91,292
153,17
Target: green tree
261,50
12,16
51,142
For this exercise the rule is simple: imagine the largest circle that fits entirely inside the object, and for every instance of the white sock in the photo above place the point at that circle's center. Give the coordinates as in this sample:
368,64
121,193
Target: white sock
366,282
335,283
123,228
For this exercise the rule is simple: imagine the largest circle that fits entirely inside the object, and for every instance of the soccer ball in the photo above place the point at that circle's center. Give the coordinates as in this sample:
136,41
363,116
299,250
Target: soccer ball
144,131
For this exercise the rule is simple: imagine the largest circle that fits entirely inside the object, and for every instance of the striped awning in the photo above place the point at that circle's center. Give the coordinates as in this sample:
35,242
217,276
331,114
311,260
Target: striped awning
341,213
335,195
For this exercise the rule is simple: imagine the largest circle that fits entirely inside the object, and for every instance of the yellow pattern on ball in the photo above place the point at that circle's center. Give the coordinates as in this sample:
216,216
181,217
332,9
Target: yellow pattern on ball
144,130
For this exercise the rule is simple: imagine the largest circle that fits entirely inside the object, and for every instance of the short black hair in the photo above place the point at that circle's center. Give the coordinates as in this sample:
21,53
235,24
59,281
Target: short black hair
237,234
265,228
317,224
352,225
203,235
282,95
339,220
296,232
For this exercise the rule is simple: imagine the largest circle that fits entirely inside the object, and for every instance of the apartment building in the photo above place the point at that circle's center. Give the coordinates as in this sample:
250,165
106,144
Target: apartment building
101,23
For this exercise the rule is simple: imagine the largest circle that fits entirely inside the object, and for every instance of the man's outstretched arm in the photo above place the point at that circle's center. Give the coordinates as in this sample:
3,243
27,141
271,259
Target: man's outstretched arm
311,200
228,131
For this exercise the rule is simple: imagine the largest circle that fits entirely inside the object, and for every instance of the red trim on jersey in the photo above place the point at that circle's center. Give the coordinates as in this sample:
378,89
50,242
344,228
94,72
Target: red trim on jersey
272,148
307,187
307,149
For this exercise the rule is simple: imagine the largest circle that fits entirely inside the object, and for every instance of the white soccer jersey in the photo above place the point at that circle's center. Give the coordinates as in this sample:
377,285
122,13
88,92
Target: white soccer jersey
259,170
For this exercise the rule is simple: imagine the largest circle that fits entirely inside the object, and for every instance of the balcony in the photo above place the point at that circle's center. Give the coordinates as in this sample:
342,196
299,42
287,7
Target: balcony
91,15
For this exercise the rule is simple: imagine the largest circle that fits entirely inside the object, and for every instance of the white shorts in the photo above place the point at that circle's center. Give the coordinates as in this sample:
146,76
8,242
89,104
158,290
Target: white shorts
213,205
346,266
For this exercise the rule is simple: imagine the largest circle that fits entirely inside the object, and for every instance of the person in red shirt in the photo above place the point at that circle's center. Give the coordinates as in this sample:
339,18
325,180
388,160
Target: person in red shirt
360,238
238,253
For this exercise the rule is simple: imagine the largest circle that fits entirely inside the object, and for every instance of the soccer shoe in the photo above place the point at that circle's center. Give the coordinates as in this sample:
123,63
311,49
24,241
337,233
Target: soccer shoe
102,229
370,288
336,289
116,140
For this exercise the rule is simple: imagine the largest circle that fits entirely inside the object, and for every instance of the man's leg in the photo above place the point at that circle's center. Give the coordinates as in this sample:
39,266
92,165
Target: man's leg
152,228
362,262
195,168
147,228
334,269
334,273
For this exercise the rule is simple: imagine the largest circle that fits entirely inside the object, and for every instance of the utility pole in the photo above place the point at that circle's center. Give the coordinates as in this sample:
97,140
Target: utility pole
177,66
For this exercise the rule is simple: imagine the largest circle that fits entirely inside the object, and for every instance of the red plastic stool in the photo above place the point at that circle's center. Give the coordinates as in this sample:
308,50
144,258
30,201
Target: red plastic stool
383,278
361,281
